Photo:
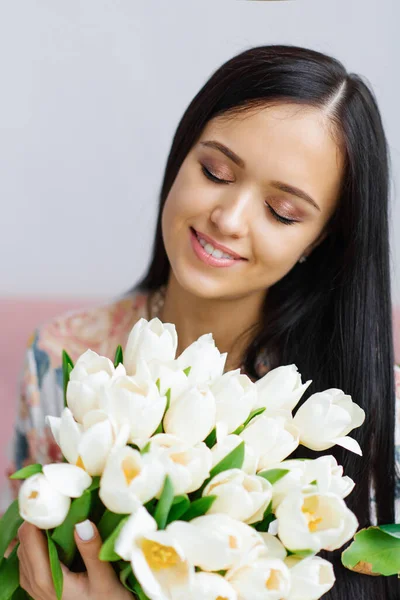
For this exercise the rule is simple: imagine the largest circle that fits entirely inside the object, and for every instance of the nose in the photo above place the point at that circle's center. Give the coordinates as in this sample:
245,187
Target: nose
231,215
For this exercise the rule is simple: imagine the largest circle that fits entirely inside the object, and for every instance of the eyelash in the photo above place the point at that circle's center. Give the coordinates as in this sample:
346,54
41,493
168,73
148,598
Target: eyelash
276,216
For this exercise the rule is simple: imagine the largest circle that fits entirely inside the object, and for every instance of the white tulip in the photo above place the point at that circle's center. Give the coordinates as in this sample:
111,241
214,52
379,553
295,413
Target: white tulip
314,522
235,395
188,466
139,405
251,494
130,479
204,359
311,577
150,340
216,542
86,380
41,504
326,418
210,586
264,579
328,476
192,416
69,480
280,388
88,445
272,438
293,480
273,548
157,559
226,444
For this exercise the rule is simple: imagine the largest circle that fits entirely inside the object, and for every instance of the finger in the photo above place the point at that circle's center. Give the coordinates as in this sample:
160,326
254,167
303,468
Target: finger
36,557
101,575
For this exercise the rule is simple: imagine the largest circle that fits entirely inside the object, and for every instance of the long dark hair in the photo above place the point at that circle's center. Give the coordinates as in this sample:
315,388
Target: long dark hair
331,315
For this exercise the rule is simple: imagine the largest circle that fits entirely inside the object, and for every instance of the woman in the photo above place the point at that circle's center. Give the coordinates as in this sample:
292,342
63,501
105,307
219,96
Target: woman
273,235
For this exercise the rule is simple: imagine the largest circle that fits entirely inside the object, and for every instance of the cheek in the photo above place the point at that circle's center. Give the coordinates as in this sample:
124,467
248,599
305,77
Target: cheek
279,246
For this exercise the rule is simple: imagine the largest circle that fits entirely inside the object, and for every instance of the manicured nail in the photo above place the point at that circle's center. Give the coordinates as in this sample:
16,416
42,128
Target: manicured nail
85,530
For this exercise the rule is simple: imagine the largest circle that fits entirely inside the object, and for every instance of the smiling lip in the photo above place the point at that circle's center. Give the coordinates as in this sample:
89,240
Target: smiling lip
209,259
216,245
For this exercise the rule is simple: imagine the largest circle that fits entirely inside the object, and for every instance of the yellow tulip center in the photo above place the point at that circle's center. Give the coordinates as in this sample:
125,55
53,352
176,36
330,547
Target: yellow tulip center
159,556
309,509
233,542
222,598
130,470
79,462
33,495
179,458
274,580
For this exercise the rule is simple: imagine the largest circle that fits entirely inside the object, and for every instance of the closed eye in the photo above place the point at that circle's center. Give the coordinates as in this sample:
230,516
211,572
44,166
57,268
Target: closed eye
277,216
212,177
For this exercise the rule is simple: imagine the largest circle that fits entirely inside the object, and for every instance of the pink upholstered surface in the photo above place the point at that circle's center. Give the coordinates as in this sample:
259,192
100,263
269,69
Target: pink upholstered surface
18,318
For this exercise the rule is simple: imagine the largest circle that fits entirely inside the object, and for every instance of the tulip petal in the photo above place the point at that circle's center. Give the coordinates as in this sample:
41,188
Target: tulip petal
70,435
138,524
67,479
55,425
94,447
201,547
348,443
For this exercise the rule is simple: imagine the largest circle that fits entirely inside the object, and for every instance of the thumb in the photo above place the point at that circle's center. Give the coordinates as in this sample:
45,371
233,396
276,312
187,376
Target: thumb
89,543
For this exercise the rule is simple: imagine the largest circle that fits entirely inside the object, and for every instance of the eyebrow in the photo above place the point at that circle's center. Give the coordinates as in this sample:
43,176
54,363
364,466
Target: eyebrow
284,187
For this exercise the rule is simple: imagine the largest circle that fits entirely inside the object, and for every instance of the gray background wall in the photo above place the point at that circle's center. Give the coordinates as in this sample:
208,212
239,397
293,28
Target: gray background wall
91,94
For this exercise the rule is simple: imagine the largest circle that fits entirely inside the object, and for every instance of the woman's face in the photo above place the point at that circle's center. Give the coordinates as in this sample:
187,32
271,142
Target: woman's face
267,154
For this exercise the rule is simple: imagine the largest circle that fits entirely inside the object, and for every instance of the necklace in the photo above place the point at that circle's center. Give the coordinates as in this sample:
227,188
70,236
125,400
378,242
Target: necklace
157,302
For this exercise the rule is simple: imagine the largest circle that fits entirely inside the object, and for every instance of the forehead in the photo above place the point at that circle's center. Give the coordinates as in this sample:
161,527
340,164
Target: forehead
290,143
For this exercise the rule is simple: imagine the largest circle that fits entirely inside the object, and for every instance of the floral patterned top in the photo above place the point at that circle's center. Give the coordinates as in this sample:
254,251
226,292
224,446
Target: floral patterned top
102,329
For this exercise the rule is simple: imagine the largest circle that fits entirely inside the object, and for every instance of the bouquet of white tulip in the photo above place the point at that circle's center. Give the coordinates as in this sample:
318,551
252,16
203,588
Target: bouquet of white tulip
185,471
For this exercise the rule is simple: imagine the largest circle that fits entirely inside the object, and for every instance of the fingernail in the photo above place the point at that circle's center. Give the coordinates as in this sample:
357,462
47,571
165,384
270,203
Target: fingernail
85,530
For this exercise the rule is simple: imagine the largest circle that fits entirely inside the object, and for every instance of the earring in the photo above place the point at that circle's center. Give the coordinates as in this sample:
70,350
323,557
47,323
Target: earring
303,259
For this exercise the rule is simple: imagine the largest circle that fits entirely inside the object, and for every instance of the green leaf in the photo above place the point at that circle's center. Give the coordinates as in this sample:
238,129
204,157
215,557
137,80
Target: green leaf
9,525
63,535
94,485
55,567
20,594
164,504
160,428
198,508
180,504
27,472
273,475
9,575
146,448
108,522
119,356
373,551
107,552
211,439
254,413
302,553
187,371
158,384
67,366
267,519
233,460
124,575
393,529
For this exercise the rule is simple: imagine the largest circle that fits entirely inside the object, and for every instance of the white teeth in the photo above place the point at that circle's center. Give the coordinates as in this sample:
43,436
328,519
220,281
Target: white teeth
217,253
209,248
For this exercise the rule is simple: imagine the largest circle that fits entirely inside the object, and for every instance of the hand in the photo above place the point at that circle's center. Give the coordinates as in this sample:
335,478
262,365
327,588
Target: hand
99,582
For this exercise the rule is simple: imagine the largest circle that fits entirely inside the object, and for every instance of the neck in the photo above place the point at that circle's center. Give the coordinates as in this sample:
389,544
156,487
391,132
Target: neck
230,320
